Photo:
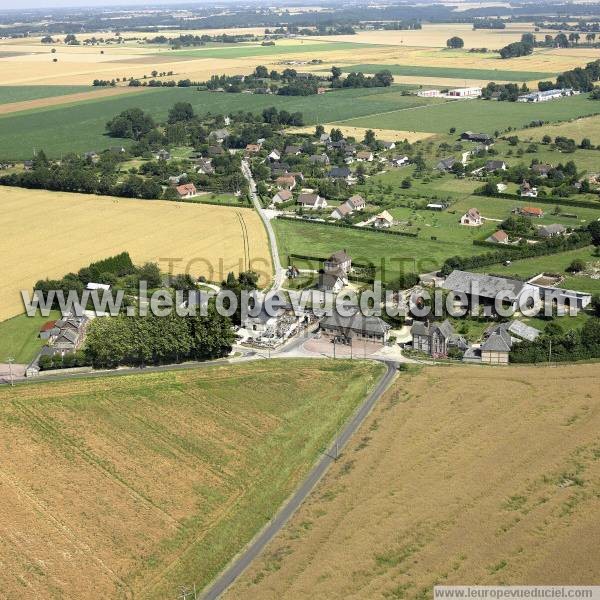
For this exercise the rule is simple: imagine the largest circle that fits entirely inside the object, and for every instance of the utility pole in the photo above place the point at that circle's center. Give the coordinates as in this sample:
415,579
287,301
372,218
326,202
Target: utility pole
10,360
550,352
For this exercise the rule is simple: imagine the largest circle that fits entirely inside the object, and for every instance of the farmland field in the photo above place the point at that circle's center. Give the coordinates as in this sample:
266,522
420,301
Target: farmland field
392,255
19,93
243,50
452,72
207,239
588,127
121,487
81,128
446,483
481,116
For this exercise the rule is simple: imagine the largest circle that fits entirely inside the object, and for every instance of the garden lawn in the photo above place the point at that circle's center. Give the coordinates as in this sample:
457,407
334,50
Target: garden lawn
19,337
392,255
553,263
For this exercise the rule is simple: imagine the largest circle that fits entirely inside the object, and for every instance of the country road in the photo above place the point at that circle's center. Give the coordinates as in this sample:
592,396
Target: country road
279,271
245,558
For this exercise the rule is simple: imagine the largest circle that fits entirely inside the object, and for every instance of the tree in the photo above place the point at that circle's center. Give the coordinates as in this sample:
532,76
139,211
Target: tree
181,111
131,123
576,266
150,273
594,229
370,139
455,42
261,72
336,73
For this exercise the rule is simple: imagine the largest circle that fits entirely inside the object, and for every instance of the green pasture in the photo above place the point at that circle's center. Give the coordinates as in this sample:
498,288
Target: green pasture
244,51
451,72
22,93
80,127
477,115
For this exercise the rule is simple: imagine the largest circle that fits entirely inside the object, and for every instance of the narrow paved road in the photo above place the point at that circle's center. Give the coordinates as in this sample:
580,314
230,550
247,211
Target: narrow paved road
243,560
279,271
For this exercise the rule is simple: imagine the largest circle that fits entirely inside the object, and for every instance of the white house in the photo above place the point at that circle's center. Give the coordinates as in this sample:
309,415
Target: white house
312,201
466,92
282,196
472,218
186,190
274,156
527,191
383,220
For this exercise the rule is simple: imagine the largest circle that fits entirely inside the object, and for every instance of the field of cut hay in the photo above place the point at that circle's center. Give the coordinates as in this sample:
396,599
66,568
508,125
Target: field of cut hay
462,475
578,129
49,234
384,135
136,486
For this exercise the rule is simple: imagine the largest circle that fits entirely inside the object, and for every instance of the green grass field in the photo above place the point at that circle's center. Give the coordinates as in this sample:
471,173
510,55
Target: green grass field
477,115
244,51
21,93
555,263
166,476
80,127
451,72
392,255
19,337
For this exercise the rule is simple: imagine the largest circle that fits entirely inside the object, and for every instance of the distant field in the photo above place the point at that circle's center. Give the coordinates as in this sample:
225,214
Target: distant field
243,51
134,486
391,254
478,115
21,93
81,127
588,127
95,227
450,72
457,478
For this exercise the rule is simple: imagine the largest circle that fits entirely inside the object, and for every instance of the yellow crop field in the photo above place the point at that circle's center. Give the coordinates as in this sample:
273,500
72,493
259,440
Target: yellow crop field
49,234
436,34
588,127
384,135
132,487
461,475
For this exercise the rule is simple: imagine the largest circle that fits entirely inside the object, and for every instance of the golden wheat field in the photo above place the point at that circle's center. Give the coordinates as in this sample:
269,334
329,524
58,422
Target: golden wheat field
588,127
130,487
49,234
461,475
29,62
384,135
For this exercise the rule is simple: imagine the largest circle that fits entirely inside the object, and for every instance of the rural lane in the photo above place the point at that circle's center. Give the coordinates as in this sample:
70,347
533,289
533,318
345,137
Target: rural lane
279,271
243,560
